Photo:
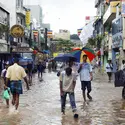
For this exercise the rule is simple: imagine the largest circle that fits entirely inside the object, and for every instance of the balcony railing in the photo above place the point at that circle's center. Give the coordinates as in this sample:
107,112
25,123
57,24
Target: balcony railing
96,3
20,10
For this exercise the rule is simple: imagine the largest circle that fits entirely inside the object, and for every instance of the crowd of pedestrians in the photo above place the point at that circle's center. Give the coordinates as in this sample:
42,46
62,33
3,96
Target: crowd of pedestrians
12,76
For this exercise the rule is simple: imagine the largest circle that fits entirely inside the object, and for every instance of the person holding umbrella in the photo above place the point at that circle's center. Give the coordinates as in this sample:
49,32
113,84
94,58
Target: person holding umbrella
86,77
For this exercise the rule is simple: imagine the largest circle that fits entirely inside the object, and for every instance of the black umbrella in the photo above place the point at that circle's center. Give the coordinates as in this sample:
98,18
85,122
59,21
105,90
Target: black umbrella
65,58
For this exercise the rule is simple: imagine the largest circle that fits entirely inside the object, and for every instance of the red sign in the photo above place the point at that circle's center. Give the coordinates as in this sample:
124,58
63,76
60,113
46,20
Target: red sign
87,17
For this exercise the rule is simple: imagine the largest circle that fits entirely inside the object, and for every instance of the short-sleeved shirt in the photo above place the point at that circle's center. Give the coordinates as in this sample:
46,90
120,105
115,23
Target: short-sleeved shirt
122,66
85,72
3,73
67,81
109,67
15,73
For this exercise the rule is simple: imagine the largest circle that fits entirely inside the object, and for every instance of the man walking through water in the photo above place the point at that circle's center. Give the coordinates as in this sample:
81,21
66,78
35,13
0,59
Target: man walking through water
15,74
85,71
67,86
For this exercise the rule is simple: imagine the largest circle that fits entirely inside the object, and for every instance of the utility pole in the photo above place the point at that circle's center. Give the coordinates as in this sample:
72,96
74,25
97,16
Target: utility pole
45,36
30,39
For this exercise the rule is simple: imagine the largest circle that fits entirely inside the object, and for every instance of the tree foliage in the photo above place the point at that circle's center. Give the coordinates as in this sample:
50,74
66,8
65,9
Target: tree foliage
65,45
4,29
74,36
95,41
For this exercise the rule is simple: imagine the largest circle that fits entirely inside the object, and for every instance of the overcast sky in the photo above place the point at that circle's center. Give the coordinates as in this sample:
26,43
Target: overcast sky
65,14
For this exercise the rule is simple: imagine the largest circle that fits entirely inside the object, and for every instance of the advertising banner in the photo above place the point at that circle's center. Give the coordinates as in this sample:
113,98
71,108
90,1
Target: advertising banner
123,8
28,16
50,34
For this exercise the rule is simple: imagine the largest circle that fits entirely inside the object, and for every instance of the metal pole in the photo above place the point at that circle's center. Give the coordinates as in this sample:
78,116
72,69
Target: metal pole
30,41
46,38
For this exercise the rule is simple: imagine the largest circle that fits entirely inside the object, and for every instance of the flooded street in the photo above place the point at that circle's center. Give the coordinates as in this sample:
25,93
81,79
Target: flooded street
41,105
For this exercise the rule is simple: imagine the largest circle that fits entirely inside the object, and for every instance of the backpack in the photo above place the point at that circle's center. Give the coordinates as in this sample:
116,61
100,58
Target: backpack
119,78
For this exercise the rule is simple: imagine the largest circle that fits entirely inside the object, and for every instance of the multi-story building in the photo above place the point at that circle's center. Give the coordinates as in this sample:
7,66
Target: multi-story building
63,34
109,16
36,13
106,13
98,24
17,16
4,34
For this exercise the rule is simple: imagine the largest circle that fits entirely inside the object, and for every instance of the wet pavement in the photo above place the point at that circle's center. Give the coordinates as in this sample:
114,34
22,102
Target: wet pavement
41,105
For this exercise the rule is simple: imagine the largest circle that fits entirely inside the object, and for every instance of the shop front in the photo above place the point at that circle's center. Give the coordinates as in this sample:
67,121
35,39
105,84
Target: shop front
4,41
116,46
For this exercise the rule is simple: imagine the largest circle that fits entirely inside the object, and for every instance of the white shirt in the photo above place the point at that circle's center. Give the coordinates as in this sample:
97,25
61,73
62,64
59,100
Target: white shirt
108,67
122,66
2,73
67,81
85,72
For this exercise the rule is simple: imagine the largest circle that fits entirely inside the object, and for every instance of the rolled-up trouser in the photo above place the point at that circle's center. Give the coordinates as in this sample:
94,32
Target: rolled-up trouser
72,101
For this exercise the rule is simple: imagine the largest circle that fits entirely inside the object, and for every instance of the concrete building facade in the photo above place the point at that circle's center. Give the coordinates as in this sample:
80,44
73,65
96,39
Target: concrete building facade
36,13
63,34
4,22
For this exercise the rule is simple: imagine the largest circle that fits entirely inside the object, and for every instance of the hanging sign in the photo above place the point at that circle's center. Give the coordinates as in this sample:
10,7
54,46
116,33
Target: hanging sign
17,31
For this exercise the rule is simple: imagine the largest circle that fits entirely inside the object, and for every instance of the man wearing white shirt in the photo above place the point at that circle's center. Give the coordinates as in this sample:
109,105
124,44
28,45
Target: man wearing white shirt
85,71
109,68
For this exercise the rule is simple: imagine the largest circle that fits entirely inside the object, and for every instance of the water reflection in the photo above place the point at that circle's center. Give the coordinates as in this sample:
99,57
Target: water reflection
41,106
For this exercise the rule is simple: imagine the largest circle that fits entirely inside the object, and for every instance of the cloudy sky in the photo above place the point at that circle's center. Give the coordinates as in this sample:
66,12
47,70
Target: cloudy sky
65,14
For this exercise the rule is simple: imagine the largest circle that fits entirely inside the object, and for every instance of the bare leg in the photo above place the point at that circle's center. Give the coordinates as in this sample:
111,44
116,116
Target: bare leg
14,99
7,102
41,74
38,74
17,101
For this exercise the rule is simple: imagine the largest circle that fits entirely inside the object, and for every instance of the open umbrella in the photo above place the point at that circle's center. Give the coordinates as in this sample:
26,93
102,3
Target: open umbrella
65,58
84,51
76,48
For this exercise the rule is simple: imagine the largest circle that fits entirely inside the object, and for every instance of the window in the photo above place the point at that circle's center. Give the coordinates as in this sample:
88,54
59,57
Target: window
17,3
117,26
21,21
21,39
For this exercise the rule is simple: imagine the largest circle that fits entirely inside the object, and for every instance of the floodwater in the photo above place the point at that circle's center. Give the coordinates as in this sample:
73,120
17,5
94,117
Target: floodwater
41,105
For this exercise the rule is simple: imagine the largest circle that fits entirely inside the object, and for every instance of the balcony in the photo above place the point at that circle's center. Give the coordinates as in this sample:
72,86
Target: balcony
110,14
97,3
20,11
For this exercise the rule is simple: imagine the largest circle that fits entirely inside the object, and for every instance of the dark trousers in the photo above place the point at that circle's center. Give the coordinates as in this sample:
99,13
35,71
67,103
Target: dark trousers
86,85
72,101
109,75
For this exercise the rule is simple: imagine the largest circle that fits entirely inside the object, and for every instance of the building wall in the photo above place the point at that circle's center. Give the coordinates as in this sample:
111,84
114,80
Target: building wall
12,10
62,35
4,20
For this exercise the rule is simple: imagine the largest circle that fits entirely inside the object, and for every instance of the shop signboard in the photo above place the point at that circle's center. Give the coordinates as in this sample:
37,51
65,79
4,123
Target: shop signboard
28,18
22,50
17,31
